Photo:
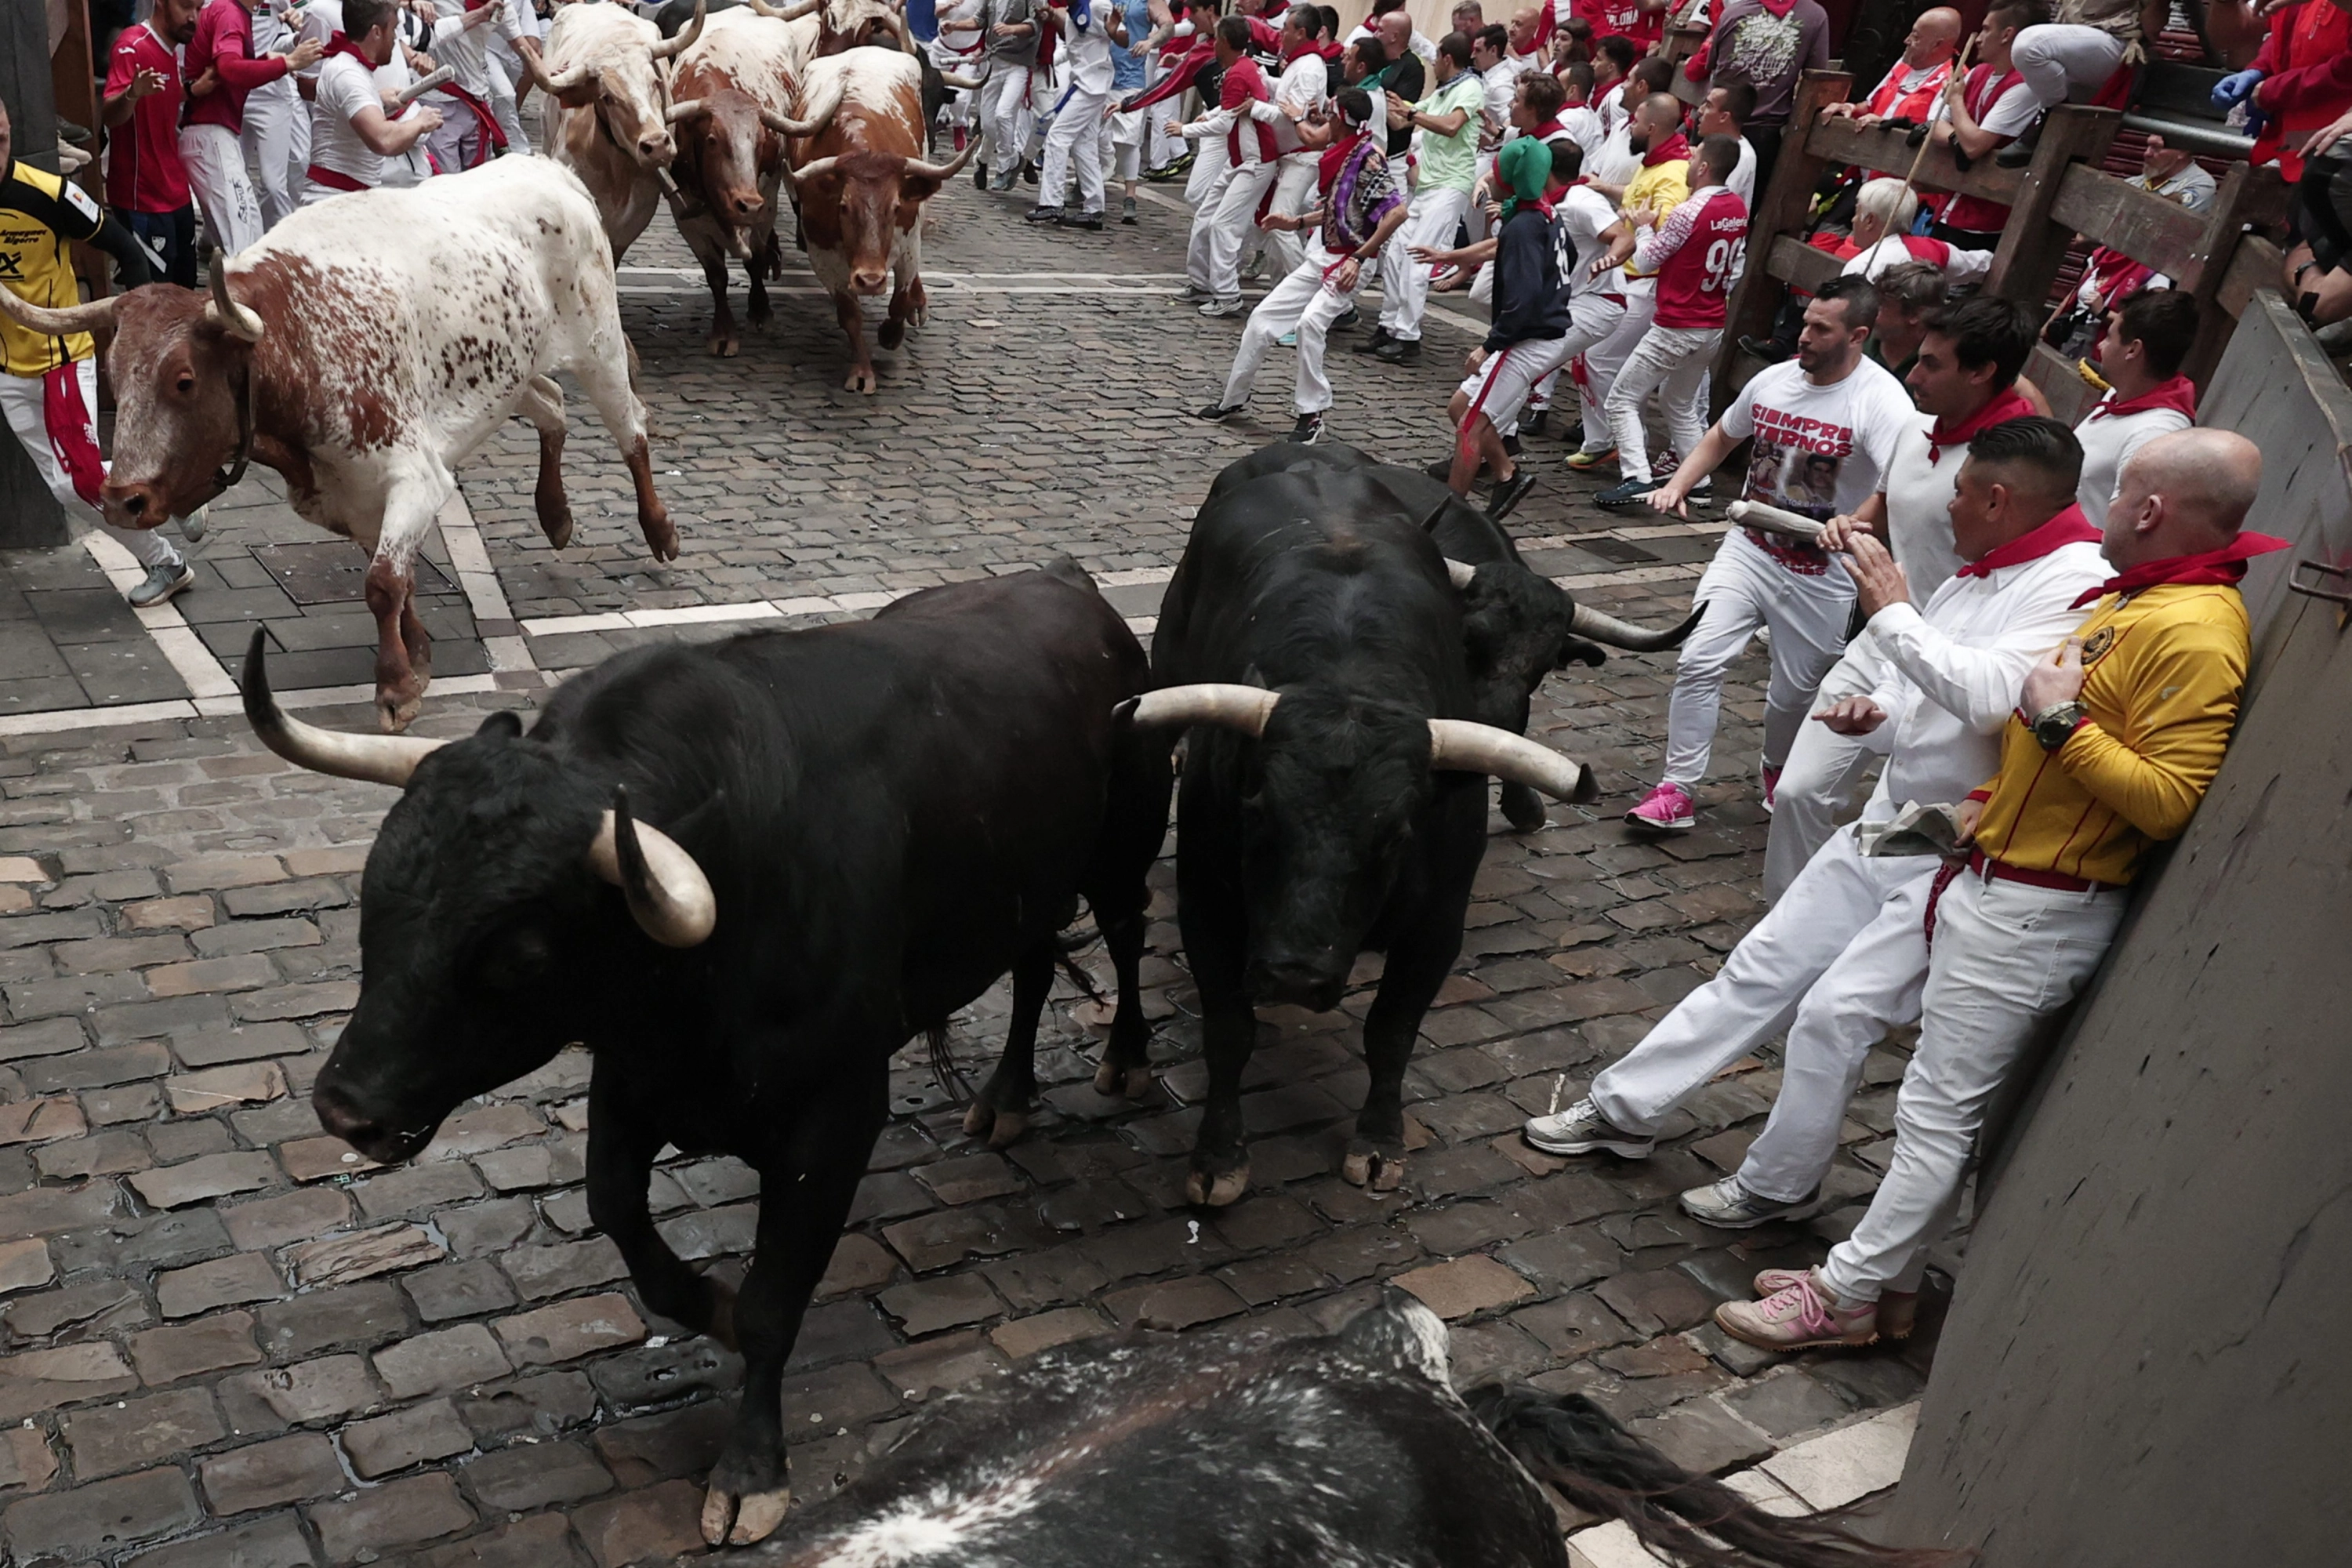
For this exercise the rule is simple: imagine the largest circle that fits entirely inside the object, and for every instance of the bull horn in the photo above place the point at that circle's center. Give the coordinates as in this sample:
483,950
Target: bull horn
1243,708
1461,572
226,312
668,896
897,30
790,13
917,168
795,178
669,48
44,322
1457,745
963,83
375,759
826,108
692,108
1591,624
562,84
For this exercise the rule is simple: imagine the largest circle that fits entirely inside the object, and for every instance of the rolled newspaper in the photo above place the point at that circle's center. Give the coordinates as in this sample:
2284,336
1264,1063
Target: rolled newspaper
425,84
1756,514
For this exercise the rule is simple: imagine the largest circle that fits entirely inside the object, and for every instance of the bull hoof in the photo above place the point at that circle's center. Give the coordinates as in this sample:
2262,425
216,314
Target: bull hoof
722,1315
861,380
725,347
1203,1190
396,710
1003,1129
727,1520
661,537
1373,1169
893,333
1109,1078
1522,809
558,527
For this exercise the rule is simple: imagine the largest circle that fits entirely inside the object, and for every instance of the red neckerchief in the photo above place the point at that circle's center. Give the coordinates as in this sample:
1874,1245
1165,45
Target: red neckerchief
1335,158
2068,527
2227,564
1547,130
2179,393
1675,146
2009,405
339,44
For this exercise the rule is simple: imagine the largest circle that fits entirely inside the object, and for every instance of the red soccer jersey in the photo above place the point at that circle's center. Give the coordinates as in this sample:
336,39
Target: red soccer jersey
1621,19
223,42
144,172
1696,281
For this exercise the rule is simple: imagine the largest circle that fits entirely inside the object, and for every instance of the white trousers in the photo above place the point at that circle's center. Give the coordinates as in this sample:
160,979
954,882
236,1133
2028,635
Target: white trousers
1836,964
503,107
1303,301
1207,169
1077,125
1431,220
1590,319
1294,193
1744,588
1004,118
1126,144
1672,362
1498,388
1604,358
215,160
1820,784
1228,213
2058,61
277,143
21,398
2005,957
1159,148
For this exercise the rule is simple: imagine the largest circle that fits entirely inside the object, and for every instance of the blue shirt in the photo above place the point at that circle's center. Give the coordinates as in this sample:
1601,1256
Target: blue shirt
1127,66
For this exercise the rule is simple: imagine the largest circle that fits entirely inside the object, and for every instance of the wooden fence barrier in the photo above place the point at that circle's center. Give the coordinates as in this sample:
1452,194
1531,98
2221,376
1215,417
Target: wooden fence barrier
2062,193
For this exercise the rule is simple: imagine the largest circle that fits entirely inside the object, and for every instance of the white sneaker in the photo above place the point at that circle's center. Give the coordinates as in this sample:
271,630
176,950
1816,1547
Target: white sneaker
193,526
1231,307
1582,1129
162,583
1727,1205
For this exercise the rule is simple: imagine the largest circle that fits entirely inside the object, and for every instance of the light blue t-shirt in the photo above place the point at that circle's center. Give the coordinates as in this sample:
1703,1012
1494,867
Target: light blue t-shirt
1127,66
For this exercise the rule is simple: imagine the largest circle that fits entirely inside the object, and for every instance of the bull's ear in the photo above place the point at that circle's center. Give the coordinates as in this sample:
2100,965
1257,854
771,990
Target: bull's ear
1576,650
503,725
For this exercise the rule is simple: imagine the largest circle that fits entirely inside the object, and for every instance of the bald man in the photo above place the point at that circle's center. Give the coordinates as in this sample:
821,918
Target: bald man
2118,734
1914,83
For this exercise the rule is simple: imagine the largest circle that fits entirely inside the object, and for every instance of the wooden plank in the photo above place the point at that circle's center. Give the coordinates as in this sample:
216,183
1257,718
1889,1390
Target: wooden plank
2034,246
1783,210
2116,213
2070,395
1890,152
2253,266
1803,266
2225,244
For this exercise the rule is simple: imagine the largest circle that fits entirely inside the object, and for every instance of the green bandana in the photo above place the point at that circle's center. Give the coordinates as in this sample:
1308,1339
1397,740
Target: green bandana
1525,167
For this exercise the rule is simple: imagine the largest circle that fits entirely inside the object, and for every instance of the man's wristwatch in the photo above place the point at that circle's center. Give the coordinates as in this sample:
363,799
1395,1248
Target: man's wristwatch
2055,725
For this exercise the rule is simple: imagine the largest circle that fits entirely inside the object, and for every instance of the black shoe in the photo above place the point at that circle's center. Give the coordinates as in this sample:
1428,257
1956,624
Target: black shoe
1765,349
1374,344
1399,351
1029,174
979,175
1345,318
1511,445
1217,413
1175,169
1084,220
1537,424
1509,493
1043,215
1309,430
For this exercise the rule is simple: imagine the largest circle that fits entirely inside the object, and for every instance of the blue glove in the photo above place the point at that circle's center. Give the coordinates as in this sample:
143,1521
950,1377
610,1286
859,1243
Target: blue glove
2256,121
2235,88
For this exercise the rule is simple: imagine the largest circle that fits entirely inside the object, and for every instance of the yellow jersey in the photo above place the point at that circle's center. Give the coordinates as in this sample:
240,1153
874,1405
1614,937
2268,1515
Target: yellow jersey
41,214
2163,671
1662,187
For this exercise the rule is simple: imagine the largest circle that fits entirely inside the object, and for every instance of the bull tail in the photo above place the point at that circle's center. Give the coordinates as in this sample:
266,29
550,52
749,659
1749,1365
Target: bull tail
1576,1447
1064,948
944,1071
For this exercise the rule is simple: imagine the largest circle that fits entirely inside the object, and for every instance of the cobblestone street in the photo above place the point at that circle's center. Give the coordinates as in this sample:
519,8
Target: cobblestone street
227,1342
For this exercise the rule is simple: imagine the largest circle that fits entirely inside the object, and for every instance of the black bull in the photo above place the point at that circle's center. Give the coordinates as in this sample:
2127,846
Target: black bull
1328,1452
887,816
1349,690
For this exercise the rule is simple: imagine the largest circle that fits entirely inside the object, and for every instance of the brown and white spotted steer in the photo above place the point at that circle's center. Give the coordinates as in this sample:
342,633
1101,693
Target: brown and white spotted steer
861,182
364,348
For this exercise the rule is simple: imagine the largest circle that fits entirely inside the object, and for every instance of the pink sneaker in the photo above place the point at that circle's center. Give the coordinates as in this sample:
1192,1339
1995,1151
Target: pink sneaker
1801,1316
1771,782
1666,810
1898,1311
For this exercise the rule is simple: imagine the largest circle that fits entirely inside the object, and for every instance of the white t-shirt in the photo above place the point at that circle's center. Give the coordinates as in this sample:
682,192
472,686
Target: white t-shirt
1578,217
1742,182
1960,264
1583,128
1918,509
2108,443
1614,161
1819,450
1084,52
345,88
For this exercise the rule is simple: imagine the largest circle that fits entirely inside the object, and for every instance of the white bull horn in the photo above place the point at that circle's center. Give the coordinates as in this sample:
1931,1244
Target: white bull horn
692,108
1593,624
44,322
1460,746
816,120
667,893
226,312
1243,708
963,83
565,85
670,47
795,178
374,759
918,170
1461,572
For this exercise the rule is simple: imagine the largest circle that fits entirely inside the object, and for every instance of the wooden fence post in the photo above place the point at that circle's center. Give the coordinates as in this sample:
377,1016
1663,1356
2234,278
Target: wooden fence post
2033,243
1783,207
2247,196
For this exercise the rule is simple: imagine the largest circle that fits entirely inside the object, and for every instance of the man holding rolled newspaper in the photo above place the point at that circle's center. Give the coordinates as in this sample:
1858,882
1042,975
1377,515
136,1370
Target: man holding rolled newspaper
1845,949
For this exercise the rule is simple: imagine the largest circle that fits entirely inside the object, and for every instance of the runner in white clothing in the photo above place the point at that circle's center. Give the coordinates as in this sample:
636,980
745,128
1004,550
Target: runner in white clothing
1844,954
1303,89
1825,426
473,129
2140,356
1079,115
355,144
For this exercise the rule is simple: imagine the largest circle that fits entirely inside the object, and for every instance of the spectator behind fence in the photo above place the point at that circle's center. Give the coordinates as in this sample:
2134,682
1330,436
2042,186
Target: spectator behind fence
1767,43
2110,278
2087,50
1913,85
1907,296
2115,741
1984,112
2319,271
2140,356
